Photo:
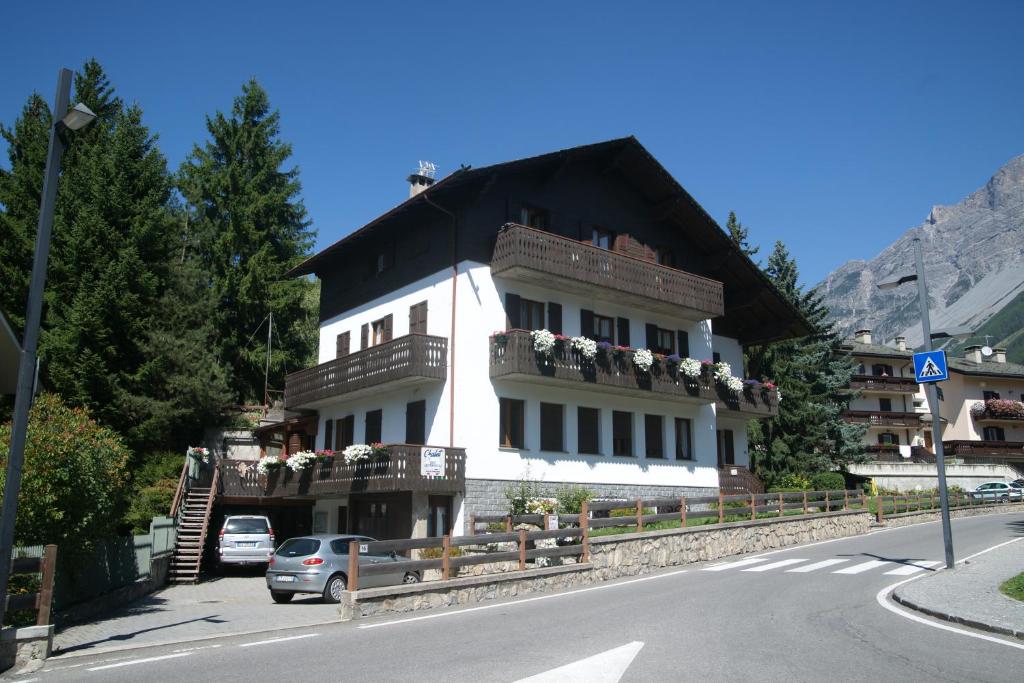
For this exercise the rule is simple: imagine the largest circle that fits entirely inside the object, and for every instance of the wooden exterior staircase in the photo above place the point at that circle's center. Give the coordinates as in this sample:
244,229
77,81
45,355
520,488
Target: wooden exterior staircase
191,510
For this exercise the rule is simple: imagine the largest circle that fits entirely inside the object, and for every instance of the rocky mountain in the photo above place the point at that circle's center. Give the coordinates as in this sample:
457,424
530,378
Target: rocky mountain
973,255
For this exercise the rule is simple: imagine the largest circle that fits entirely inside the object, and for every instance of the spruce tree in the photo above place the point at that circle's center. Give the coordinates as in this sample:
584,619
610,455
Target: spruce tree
739,235
251,227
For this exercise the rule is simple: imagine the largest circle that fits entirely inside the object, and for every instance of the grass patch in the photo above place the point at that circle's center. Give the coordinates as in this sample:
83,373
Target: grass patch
1014,587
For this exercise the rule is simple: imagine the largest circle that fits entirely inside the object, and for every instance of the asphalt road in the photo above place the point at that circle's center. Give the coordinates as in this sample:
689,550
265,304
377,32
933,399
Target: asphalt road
808,613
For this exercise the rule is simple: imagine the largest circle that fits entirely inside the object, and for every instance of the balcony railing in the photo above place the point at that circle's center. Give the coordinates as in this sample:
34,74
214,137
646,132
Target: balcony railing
538,256
751,402
883,418
900,385
409,358
398,470
984,448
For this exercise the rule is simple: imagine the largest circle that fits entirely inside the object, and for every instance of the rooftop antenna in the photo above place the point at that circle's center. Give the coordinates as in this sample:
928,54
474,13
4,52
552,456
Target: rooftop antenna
428,169
422,178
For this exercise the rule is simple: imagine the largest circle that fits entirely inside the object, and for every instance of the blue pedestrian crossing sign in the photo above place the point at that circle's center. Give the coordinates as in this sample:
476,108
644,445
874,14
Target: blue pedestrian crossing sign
930,366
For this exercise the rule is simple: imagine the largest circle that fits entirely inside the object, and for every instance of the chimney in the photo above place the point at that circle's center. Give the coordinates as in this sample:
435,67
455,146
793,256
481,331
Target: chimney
862,336
999,355
973,353
901,343
422,178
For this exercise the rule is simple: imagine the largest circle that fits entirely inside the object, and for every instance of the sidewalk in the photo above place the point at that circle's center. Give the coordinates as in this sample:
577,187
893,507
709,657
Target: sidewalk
221,606
969,593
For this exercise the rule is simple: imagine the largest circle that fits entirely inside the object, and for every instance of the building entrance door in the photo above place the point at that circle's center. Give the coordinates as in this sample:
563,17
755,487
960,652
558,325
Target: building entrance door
382,515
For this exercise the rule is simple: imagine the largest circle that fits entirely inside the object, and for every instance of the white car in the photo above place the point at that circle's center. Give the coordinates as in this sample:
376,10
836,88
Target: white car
997,491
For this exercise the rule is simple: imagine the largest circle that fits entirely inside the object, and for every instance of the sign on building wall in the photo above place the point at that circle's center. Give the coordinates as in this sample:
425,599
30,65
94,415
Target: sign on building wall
431,462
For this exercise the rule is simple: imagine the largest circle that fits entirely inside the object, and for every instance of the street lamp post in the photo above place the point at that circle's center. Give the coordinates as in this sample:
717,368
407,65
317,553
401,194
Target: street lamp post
72,120
931,392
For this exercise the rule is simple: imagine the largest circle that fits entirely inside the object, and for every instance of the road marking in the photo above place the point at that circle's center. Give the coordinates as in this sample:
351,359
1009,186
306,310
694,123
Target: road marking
913,568
524,601
816,566
732,565
607,667
863,567
139,661
774,565
882,598
279,640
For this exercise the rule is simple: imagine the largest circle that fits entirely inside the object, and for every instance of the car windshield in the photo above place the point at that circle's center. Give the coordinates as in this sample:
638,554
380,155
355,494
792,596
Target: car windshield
242,525
298,547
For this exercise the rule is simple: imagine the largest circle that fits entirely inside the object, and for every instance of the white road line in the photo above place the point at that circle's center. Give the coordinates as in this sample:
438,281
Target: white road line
733,565
279,640
774,565
863,567
139,661
524,601
606,667
816,566
913,568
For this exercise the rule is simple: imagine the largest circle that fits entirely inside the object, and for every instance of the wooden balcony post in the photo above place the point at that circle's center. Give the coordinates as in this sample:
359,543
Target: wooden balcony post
353,566
721,506
639,515
522,550
682,512
446,556
585,526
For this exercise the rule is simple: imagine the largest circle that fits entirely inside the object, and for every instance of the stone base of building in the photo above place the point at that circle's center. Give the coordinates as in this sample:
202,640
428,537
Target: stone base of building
485,497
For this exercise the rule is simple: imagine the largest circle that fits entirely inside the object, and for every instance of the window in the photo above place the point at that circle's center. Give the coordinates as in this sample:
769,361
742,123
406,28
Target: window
604,328
344,432
881,370
993,434
665,257
885,405
552,427
989,395
654,436
328,434
588,430
684,442
341,345
439,523
660,340
684,344
531,314
416,422
373,424
726,450
382,330
622,433
418,318
384,259
534,217
511,423
603,238
889,439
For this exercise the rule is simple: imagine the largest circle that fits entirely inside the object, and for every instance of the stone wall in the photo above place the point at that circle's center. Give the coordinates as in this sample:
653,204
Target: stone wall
908,518
912,476
25,649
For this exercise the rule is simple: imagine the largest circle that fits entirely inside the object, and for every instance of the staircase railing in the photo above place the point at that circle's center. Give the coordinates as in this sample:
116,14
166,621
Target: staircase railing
206,516
180,494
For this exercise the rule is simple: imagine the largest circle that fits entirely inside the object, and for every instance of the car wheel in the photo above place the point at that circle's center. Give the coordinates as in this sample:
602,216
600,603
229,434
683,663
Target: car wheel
334,588
411,577
280,597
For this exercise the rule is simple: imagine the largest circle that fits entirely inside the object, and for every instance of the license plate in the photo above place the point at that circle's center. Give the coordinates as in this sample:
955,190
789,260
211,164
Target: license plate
245,545
284,579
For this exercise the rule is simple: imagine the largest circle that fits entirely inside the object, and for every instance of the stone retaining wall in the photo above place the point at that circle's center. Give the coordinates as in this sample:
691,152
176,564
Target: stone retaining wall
908,518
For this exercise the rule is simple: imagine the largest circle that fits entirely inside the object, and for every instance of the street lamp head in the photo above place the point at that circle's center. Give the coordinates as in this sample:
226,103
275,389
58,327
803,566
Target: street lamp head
79,117
893,284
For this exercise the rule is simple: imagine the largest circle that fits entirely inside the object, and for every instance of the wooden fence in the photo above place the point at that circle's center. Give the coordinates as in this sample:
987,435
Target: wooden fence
898,504
42,600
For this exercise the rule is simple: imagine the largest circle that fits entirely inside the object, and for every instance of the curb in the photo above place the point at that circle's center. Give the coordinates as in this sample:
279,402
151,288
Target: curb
957,619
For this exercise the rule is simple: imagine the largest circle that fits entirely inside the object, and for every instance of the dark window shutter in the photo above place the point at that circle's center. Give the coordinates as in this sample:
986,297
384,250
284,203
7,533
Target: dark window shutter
342,345
512,311
373,426
416,422
418,318
328,434
364,336
652,336
554,318
388,322
684,343
622,331
716,357
587,324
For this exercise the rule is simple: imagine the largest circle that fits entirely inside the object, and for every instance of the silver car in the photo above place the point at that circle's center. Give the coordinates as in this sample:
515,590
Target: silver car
319,564
245,539
996,491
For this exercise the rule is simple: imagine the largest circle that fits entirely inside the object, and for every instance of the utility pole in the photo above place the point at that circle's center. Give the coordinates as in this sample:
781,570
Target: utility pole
266,369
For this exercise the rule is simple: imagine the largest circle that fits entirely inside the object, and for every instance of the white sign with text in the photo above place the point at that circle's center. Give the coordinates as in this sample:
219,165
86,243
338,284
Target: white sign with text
431,462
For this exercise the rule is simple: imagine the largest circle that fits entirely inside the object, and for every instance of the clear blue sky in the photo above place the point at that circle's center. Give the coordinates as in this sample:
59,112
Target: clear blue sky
831,128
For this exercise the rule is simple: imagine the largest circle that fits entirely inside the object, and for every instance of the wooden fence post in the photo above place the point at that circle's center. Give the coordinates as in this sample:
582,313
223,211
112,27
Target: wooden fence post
446,557
682,512
805,502
585,525
639,515
782,505
879,514
846,499
49,568
863,500
828,508
353,566
471,531
753,507
721,507
508,524
544,522
522,549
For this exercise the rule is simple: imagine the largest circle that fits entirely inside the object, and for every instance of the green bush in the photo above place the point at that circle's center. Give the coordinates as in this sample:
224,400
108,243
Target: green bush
152,489
789,481
628,512
828,481
519,492
571,498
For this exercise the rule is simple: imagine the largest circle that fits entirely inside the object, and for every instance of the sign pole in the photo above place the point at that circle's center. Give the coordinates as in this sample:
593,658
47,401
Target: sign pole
933,402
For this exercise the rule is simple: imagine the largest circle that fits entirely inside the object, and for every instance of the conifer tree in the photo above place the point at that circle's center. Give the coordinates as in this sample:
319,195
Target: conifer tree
251,228
739,235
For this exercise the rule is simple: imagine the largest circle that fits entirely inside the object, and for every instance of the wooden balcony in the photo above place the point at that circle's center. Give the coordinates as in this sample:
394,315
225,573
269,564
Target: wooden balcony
411,359
966,449
399,470
889,385
565,264
750,403
882,418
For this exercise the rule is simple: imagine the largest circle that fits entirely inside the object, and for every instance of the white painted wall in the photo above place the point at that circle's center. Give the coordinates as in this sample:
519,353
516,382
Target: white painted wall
917,476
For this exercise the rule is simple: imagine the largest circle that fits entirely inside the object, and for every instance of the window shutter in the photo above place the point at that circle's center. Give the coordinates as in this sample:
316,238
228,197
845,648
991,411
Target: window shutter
415,422
512,311
373,426
652,336
388,320
554,318
328,433
342,345
684,343
622,331
716,357
587,324
364,336
418,318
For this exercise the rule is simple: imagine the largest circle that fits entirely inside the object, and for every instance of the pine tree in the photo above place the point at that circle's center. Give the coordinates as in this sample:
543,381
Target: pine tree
251,227
739,236
808,435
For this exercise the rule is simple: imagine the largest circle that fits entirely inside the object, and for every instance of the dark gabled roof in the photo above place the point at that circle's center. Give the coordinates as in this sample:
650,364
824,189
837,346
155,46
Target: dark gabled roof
856,348
767,315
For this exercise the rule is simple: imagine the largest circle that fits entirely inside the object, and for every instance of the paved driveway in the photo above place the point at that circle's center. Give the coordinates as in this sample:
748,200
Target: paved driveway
219,606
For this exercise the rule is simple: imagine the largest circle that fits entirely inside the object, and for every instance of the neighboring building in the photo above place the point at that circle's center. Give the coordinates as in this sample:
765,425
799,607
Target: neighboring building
426,316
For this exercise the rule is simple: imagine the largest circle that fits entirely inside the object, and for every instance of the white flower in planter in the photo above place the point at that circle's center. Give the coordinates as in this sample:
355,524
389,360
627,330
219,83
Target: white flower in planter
722,371
357,452
733,384
543,342
643,359
267,464
690,367
301,460
585,347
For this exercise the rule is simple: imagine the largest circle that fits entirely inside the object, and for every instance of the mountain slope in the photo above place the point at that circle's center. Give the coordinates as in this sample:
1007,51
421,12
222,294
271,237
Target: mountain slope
973,256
